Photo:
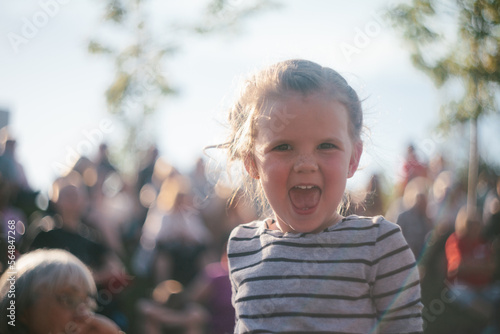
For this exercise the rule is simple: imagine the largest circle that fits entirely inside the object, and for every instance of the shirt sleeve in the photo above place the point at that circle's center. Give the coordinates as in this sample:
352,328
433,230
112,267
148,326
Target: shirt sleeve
395,282
234,289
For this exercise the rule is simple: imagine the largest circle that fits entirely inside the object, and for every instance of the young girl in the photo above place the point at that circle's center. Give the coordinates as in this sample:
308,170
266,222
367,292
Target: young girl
307,269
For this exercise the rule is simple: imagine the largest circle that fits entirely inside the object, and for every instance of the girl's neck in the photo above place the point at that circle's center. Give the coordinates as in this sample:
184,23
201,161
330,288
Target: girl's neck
276,224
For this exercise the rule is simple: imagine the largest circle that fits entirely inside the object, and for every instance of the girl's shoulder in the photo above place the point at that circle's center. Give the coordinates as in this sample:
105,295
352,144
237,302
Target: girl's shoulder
248,230
376,223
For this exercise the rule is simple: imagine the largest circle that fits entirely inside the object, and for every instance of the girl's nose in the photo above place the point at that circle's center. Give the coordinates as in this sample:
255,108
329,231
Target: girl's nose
305,163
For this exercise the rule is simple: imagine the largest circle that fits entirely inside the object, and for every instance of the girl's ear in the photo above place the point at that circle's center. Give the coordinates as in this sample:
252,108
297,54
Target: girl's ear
355,157
250,166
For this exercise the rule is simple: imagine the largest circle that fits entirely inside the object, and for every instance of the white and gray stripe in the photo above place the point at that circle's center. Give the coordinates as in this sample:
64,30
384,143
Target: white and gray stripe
358,276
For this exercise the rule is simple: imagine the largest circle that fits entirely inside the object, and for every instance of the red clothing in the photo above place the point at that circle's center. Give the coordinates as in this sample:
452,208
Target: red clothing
413,168
465,249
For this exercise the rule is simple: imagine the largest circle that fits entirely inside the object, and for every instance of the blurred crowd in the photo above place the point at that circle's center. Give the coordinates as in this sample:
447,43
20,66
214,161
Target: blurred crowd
155,243
457,252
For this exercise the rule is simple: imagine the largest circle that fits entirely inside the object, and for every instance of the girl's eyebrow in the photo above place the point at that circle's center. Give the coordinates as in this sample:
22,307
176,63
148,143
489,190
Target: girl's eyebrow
283,140
335,140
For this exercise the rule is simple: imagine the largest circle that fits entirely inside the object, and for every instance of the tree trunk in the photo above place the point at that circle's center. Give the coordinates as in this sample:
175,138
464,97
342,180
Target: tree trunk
473,170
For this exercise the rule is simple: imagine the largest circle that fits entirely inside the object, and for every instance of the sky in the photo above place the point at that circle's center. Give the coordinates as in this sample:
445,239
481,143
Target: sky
54,89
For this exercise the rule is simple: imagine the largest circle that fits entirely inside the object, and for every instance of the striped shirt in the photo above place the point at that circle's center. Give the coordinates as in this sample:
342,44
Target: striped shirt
358,276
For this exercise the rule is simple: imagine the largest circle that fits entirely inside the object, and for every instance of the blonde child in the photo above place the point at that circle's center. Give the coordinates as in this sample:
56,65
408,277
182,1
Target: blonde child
307,269
50,291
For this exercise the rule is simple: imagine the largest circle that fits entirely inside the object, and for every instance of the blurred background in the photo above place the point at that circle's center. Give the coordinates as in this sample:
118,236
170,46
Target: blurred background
120,98
55,89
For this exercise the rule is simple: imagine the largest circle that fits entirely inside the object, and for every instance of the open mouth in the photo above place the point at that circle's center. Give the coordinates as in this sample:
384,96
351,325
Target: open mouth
304,198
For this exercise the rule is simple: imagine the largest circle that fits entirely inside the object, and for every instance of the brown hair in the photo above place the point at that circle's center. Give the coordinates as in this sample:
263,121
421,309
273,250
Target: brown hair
263,88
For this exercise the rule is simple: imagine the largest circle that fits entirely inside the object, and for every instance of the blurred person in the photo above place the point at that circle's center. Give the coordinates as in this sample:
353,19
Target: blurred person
485,192
200,184
145,191
10,168
491,202
54,293
437,165
149,182
153,171
107,205
10,213
374,200
469,256
222,211
111,211
213,291
237,211
203,308
108,183
412,167
110,202
103,164
12,172
66,230
447,197
491,217
169,311
145,174
492,232
87,169
470,268
414,222
395,208
208,200
179,234
371,202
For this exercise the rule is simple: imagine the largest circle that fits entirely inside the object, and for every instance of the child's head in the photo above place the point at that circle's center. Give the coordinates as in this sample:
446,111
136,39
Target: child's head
299,122
53,291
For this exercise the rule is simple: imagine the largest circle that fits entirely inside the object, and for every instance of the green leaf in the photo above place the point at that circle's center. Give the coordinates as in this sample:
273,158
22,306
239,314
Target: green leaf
96,47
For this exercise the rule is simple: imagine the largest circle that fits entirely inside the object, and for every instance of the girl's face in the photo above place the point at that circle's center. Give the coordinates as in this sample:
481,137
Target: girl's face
62,311
303,156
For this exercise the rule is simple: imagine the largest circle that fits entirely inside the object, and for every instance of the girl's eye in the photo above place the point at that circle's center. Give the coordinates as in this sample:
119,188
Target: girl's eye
282,147
326,146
